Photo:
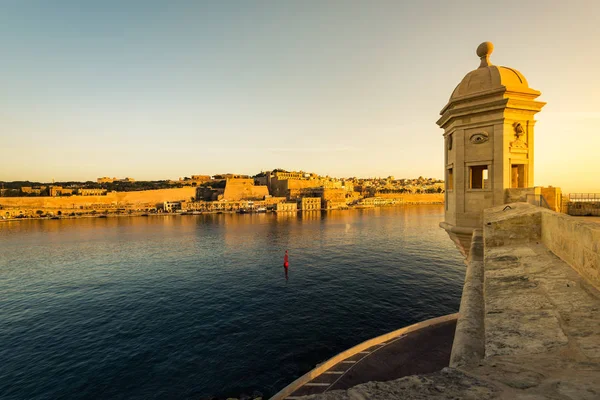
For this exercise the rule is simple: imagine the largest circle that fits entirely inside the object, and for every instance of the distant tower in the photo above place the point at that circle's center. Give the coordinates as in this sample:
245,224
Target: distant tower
488,131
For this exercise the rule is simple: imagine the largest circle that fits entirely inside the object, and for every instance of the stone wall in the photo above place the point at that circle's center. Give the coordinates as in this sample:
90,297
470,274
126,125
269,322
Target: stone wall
583,208
575,241
553,197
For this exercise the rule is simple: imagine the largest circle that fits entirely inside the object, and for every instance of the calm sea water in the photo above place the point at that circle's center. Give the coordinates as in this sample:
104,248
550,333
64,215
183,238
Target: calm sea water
199,306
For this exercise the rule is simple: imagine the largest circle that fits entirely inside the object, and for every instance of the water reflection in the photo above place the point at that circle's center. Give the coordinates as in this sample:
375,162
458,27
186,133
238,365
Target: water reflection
106,299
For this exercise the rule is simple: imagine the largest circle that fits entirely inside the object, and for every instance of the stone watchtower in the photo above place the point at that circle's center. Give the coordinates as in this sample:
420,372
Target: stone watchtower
488,130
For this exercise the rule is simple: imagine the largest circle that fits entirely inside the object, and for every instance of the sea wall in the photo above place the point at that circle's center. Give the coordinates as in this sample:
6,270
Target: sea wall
575,241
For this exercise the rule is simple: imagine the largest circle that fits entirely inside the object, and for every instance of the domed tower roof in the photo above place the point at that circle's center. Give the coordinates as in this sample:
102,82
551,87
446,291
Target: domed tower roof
490,77
489,81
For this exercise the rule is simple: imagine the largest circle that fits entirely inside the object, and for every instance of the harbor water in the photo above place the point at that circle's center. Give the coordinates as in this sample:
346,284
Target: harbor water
198,306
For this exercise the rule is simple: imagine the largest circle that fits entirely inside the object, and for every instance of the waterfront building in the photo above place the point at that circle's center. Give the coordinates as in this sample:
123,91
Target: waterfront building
171,206
286,207
309,203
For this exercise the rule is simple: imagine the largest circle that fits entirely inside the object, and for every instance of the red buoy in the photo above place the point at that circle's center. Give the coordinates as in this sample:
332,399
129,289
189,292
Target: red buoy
285,260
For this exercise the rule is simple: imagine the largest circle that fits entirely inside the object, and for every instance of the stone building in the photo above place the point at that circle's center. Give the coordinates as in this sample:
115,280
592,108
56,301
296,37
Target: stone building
309,203
286,207
171,206
489,137
32,190
91,192
60,191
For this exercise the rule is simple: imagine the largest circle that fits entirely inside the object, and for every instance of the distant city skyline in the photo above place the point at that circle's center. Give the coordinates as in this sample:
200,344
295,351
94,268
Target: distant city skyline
156,90
222,173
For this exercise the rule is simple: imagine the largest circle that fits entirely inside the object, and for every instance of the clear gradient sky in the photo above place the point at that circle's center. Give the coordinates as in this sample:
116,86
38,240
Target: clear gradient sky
164,89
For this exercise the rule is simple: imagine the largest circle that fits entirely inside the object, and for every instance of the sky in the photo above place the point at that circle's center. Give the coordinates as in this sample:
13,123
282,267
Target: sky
166,89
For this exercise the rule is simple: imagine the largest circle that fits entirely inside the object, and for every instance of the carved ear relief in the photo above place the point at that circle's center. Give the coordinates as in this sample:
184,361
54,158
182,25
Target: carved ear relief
478,138
518,129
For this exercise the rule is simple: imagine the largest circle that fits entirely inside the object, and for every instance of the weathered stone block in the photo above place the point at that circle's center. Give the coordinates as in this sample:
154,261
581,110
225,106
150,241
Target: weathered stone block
514,332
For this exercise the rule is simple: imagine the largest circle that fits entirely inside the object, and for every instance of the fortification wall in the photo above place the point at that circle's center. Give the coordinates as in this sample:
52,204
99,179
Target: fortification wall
244,189
146,197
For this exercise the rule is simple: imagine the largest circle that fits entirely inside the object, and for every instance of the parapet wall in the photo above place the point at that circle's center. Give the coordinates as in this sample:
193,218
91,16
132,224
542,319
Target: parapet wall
576,242
551,196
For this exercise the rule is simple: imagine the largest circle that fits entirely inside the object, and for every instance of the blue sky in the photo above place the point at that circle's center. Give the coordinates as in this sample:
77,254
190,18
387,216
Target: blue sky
157,89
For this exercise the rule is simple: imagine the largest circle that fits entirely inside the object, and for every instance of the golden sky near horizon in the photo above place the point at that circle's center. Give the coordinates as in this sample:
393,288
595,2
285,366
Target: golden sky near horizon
341,88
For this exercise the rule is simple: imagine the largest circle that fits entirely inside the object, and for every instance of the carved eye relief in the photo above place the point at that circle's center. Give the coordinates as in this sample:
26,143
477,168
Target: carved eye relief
478,138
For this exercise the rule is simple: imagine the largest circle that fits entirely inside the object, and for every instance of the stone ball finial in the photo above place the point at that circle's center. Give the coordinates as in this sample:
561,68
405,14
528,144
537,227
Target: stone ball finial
483,52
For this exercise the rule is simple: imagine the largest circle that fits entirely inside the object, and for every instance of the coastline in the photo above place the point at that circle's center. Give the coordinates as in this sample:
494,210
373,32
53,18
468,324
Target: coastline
164,214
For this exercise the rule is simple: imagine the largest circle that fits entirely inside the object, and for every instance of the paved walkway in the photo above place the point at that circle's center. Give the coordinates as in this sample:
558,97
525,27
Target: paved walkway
420,352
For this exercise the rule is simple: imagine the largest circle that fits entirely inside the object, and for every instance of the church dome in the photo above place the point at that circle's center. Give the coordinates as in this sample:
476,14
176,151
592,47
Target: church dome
489,77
